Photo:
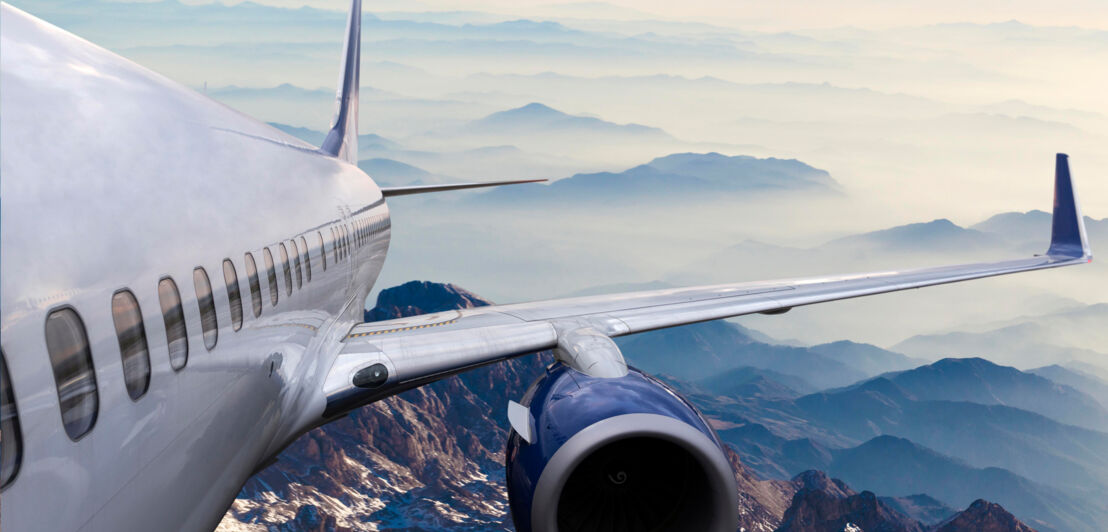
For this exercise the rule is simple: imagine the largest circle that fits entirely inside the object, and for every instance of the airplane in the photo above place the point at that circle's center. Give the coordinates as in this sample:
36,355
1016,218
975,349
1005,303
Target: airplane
182,297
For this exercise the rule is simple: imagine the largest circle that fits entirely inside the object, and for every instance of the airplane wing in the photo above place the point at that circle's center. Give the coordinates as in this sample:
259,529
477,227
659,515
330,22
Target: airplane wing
384,358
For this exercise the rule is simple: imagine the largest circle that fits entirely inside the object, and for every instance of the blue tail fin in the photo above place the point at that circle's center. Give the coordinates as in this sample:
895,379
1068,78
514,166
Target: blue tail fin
342,140
1067,238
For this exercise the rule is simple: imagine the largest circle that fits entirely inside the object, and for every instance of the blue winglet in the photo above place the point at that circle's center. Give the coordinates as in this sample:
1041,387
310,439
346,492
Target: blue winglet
1067,237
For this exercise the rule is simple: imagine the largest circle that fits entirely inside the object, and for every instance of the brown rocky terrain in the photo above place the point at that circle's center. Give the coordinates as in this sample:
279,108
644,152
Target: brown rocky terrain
984,516
433,459
824,504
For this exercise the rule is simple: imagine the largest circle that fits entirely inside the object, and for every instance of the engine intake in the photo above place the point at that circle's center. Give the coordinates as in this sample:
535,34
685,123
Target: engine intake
616,454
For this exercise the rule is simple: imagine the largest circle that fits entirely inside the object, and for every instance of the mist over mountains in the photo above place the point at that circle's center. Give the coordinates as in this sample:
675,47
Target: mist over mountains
915,125
677,176
878,436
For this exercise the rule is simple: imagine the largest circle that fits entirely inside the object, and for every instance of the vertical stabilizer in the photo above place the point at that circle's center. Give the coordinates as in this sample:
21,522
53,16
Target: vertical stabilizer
342,140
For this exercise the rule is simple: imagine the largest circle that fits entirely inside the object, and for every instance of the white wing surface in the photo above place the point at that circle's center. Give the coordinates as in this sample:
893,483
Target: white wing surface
383,358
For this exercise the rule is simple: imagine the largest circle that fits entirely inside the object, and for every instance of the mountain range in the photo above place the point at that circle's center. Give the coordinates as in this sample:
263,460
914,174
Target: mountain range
977,380
897,466
427,459
1089,383
697,351
431,458
680,175
822,503
542,120
1061,337
1046,472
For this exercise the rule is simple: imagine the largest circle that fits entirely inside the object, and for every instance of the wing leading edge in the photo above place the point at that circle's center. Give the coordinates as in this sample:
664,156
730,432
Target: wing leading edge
409,352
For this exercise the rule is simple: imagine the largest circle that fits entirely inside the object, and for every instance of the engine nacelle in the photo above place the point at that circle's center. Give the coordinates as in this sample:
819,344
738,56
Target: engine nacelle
615,454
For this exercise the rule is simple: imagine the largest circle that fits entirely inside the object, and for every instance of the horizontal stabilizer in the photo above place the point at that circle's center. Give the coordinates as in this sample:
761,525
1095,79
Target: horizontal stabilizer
1067,237
389,192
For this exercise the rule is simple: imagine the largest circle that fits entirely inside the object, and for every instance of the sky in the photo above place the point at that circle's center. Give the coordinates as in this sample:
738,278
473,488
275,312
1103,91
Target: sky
918,110
772,15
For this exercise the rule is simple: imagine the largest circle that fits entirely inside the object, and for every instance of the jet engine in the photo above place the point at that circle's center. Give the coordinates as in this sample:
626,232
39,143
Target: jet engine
615,454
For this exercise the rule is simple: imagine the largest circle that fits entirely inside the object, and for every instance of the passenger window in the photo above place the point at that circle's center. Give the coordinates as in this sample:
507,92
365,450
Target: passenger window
208,322
133,349
11,437
307,259
234,297
271,274
322,250
296,264
255,286
286,269
67,343
176,334
334,245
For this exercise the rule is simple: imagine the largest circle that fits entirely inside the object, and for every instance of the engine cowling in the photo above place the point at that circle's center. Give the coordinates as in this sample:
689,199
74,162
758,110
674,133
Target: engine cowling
615,454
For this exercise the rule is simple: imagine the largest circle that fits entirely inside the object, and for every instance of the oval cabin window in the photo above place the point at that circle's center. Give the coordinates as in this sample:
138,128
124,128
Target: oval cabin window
271,274
133,349
285,268
234,297
255,286
209,325
74,375
11,436
176,334
307,257
296,264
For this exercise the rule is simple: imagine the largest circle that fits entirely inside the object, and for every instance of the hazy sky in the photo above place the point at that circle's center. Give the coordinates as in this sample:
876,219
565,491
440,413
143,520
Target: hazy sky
775,14
919,110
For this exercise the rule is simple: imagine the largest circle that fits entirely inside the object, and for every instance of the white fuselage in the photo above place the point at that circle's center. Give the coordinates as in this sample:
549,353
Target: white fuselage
114,177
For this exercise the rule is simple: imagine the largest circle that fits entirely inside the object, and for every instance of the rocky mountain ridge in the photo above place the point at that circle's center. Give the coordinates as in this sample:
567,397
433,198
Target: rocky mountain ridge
427,459
432,459
824,504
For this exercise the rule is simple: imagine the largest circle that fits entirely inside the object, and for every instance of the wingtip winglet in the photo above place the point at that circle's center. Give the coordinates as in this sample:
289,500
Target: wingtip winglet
1067,237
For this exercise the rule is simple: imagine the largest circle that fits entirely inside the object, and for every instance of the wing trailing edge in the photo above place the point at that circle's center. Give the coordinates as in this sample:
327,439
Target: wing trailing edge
342,139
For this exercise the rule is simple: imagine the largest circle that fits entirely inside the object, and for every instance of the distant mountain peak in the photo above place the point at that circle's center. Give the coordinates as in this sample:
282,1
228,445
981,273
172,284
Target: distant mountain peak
824,503
983,516
819,481
533,108
540,119
678,175
940,233
981,381
422,297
